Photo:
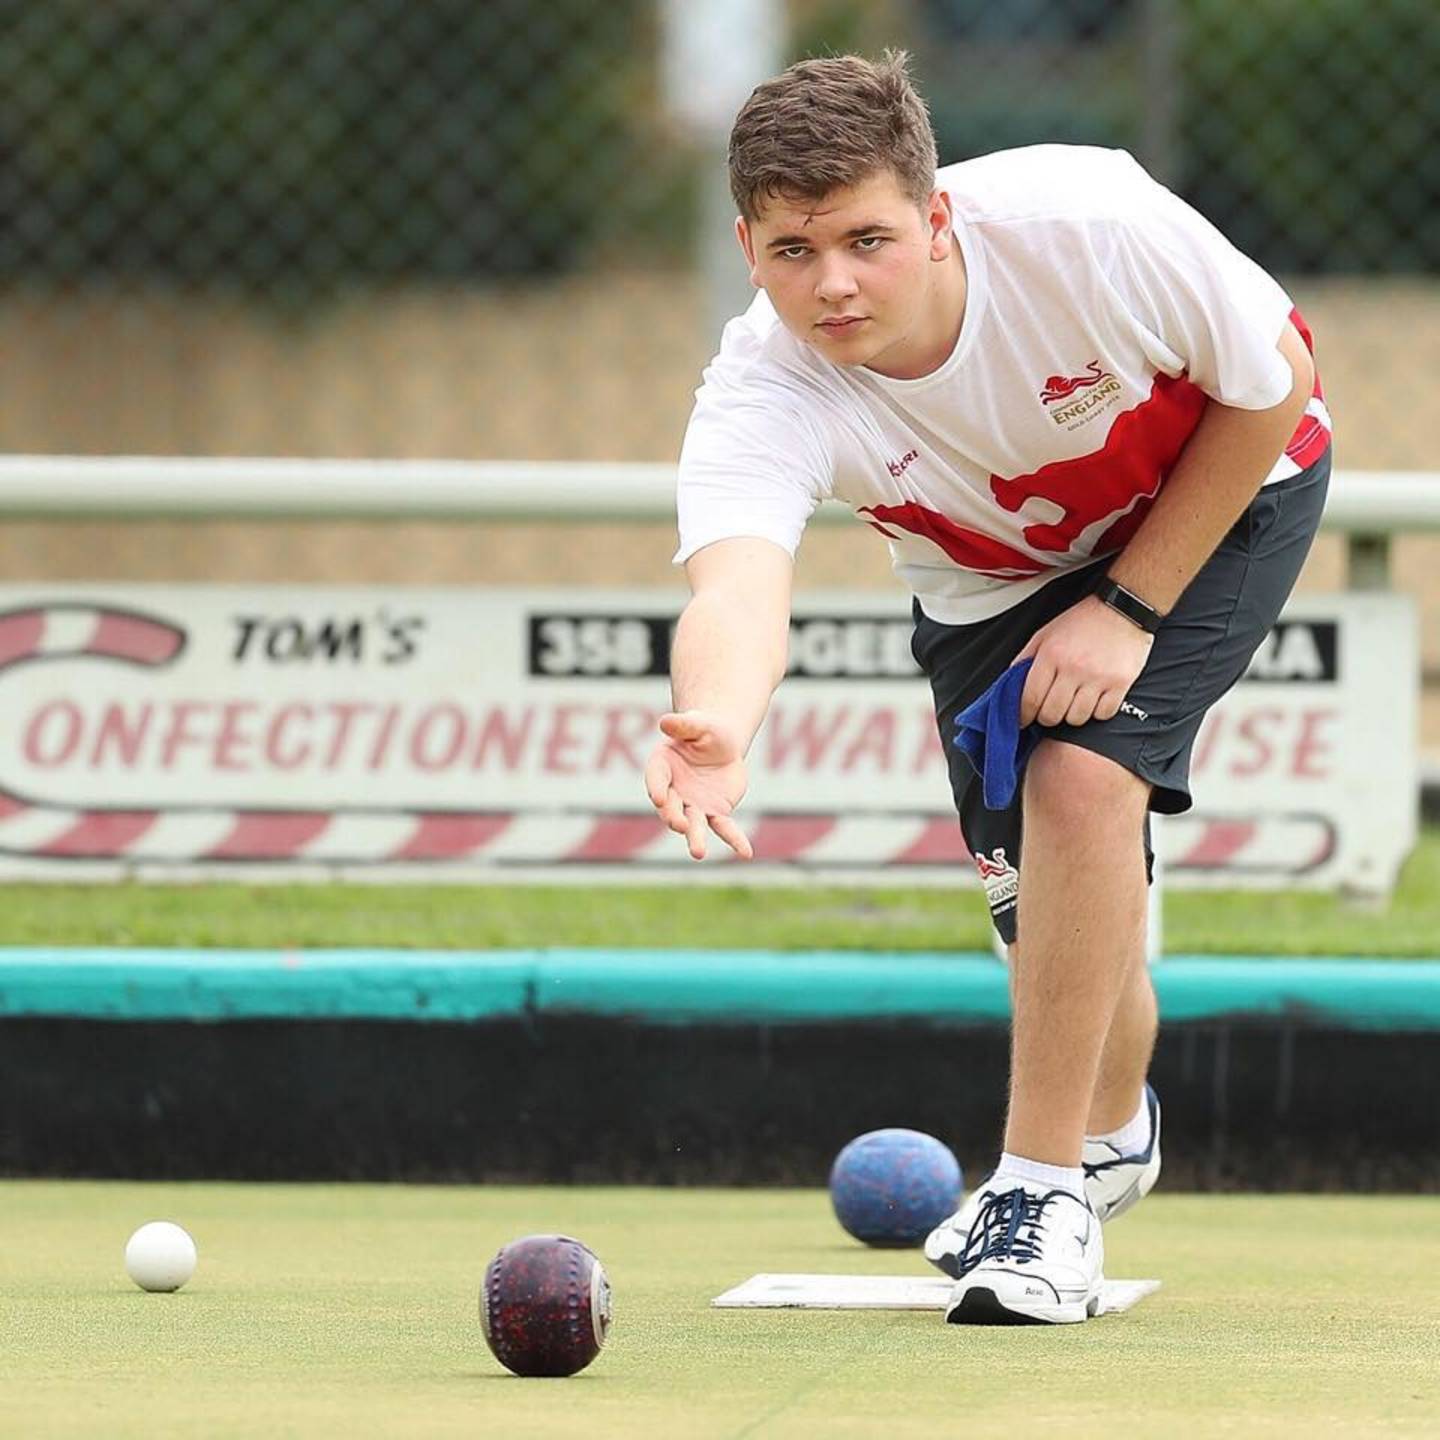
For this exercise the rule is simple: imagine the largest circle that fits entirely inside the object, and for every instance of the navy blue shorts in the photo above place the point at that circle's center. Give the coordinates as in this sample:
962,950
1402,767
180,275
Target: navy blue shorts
1201,649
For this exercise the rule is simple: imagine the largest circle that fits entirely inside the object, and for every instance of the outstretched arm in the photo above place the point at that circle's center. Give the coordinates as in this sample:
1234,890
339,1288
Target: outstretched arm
728,657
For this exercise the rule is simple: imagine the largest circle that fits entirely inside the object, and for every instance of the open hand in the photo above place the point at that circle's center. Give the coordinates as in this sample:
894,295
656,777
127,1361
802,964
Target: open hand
1086,660
695,777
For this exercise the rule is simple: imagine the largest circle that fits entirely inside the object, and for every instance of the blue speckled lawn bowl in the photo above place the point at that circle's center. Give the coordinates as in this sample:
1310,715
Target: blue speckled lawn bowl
893,1187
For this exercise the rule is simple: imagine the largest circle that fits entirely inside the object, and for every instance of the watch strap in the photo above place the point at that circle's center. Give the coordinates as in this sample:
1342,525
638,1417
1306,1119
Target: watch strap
1131,606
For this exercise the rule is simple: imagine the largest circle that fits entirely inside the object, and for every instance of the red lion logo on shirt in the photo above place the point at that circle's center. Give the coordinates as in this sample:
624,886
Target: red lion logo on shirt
1058,387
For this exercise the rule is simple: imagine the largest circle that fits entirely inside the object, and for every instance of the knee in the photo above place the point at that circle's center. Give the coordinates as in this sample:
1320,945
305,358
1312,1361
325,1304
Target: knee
1078,788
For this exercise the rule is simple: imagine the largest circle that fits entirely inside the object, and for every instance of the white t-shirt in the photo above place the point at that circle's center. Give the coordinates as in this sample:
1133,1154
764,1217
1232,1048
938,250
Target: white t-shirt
1101,312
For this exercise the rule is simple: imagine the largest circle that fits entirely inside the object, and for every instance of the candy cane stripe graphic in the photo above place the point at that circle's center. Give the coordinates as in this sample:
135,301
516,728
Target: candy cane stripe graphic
55,631
100,833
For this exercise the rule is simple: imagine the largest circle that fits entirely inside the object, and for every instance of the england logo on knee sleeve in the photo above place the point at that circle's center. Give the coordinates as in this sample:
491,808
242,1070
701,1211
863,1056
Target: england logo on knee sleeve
999,877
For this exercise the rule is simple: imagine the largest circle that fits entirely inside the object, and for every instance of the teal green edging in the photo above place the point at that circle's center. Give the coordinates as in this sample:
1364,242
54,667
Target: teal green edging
673,987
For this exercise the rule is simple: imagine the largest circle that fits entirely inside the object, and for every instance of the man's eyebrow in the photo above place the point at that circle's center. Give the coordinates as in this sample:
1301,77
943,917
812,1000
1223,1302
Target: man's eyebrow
878,227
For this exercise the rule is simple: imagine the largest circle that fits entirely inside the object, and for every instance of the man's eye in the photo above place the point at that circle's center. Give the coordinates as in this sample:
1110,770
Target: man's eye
869,242
794,252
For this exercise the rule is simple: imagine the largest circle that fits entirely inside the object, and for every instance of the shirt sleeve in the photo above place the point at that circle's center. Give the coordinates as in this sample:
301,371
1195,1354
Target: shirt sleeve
751,466
1203,306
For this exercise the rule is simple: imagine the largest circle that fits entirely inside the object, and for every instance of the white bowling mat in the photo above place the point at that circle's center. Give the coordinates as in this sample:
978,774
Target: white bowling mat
884,1292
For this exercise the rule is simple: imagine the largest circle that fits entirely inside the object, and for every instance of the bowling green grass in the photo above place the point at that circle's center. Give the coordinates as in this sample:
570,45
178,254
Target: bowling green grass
351,1312
802,916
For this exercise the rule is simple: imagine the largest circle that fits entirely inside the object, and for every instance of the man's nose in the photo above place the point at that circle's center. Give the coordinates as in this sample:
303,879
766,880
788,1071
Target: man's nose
836,281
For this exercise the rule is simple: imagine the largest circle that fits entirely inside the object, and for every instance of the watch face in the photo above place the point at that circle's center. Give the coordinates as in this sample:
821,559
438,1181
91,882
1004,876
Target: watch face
1130,606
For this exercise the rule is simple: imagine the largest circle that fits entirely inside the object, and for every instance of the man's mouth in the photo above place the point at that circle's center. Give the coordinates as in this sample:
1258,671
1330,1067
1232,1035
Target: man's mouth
840,324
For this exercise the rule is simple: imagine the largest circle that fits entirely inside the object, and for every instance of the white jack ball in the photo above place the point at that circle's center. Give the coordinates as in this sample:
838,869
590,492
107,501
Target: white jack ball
160,1256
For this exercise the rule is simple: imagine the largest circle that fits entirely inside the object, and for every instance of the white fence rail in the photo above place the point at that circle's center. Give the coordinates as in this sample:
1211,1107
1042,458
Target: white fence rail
1368,506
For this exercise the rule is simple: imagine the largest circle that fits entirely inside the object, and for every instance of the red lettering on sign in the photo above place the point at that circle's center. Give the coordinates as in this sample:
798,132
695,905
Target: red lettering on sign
1313,754
124,736
53,734
449,721
231,737
178,734
279,753
505,735
875,742
1243,742
380,750
1262,747
344,713
561,742
627,728
807,737
509,737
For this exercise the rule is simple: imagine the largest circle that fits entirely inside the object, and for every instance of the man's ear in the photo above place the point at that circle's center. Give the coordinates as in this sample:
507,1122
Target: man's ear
941,222
747,244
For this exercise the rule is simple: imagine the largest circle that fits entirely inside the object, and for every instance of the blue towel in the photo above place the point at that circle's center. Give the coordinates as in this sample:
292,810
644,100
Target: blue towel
988,733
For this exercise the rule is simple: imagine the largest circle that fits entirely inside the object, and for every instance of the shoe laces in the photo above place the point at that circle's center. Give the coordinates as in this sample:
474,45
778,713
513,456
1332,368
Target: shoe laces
1008,1227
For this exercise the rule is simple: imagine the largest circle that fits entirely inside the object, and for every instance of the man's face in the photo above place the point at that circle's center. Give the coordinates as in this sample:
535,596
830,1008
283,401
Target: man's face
852,274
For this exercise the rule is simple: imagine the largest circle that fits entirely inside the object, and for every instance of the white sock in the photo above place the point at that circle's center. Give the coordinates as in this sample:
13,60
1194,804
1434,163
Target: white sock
1057,1177
1134,1135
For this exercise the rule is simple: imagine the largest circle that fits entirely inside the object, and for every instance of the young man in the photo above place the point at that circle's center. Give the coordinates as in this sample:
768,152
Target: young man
1091,431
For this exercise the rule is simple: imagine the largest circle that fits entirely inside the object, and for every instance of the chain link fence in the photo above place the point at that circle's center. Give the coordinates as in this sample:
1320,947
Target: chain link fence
473,229
481,228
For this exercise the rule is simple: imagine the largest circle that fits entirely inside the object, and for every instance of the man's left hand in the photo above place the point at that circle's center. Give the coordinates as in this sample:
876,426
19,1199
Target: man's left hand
1086,660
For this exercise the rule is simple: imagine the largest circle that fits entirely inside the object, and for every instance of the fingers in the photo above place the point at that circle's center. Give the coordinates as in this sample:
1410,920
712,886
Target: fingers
693,792
695,832
1108,705
1082,707
1065,703
657,778
733,836
659,786
1057,701
1037,689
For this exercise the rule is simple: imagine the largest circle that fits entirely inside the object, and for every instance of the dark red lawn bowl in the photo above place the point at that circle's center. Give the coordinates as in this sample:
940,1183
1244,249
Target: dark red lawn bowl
545,1305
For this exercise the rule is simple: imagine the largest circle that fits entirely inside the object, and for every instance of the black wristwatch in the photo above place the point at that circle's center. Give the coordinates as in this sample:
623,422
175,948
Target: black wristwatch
1132,607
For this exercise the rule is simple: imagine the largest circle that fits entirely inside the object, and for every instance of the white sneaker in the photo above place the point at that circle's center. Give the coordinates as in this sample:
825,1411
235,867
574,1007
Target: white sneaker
1031,1256
1114,1182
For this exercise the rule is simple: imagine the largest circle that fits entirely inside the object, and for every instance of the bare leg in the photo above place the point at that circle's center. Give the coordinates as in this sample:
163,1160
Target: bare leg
1126,1057
1082,908
1125,1061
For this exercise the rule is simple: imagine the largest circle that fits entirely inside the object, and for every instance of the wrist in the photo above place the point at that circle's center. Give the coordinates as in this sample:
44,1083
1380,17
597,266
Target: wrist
1139,612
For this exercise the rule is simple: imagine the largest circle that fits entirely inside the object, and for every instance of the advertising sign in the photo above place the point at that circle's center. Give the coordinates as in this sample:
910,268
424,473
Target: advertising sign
387,732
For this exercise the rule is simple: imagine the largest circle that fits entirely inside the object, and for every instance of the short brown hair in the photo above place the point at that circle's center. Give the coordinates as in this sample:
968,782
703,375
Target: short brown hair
826,124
